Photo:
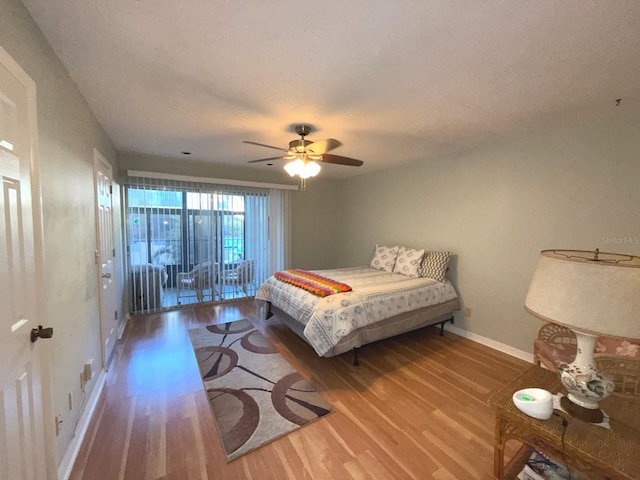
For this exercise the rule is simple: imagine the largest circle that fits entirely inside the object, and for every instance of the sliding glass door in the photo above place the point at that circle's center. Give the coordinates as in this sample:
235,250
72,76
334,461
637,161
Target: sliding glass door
190,244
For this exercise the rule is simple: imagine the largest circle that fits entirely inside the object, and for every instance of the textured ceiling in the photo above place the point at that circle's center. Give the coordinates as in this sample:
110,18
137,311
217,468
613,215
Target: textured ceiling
394,81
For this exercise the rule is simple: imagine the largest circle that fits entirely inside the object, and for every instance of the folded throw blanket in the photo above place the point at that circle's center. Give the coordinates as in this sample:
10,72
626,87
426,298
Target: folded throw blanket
312,282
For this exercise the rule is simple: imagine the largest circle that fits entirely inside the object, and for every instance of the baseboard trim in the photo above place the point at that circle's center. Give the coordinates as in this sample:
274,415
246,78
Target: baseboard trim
69,458
122,325
501,347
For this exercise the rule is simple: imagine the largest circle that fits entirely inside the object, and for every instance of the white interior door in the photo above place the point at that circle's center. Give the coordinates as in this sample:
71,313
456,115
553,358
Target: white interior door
106,255
26,445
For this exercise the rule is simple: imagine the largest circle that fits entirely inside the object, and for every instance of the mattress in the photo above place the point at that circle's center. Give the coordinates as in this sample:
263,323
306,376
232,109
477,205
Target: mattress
376,296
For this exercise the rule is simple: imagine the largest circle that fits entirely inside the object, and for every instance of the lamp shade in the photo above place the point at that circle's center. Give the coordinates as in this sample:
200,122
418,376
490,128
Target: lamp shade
593,292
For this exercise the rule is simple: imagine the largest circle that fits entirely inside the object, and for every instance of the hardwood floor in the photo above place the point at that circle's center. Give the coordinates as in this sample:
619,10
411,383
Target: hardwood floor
415,408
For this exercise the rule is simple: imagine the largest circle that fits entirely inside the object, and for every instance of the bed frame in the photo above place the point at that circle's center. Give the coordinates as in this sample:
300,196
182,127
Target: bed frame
433,315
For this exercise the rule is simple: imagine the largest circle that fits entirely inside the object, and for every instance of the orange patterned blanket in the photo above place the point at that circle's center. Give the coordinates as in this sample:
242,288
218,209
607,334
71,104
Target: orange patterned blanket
312,282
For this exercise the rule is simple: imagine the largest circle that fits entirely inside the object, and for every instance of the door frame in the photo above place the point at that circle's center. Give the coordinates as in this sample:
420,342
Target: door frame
98,161
38,242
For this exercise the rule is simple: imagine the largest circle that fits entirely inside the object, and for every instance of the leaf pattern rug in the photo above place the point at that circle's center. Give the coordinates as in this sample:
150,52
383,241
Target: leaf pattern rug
256,396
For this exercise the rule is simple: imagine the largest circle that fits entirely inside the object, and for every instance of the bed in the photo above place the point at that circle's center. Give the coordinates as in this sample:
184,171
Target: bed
380,305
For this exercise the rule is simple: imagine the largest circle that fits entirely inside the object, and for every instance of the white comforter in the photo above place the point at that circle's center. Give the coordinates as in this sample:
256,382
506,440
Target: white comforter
376,295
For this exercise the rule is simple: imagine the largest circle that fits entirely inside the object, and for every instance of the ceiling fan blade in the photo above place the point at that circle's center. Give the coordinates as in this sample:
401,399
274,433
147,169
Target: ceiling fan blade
321,147
266,159
263,145
339,160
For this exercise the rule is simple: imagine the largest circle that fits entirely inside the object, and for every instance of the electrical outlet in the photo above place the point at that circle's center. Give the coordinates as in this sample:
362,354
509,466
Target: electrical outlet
467,312
82,380
88,371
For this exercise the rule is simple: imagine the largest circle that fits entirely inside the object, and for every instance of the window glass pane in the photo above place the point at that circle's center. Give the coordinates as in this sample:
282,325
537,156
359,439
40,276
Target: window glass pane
228,203
139,197
202,248
232,238
138,246
198,201
175,227
165,238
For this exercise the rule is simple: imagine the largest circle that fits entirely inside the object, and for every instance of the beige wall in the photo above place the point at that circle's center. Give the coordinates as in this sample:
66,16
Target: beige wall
317,219
575,183
68,132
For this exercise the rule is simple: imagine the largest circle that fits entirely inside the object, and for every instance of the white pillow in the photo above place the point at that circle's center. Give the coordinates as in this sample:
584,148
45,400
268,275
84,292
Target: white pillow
408,261
435,265
384,258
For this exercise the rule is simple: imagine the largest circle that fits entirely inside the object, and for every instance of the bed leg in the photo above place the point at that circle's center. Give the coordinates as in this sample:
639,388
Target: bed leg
442,325
269,313
355,356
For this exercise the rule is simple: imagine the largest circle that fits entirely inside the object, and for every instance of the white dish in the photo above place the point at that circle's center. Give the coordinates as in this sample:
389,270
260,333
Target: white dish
535,402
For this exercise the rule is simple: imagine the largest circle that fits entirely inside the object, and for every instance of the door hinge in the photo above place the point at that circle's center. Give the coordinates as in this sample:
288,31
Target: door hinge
114,253
110,188
97,256
115,315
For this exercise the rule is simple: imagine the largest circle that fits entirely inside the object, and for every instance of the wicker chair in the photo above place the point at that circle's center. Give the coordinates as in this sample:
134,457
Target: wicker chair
202,277
239,277
618,358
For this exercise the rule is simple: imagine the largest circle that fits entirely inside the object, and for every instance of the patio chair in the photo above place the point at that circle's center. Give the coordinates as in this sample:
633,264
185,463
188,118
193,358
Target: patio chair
202,277
239,277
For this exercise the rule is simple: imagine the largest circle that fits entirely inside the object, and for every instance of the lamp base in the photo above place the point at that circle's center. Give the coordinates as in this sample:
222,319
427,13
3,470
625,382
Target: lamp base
585,385
589,415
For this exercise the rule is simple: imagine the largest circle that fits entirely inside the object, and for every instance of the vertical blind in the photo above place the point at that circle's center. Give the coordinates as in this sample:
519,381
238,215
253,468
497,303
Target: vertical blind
190,242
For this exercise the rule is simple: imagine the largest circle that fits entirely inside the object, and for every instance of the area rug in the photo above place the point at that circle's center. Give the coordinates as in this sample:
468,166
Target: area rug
256,396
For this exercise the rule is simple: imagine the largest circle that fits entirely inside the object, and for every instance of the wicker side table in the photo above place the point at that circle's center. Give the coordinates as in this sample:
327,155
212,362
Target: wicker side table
583,447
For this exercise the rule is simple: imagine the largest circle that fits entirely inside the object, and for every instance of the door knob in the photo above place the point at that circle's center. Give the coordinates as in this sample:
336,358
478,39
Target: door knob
40,332
106,275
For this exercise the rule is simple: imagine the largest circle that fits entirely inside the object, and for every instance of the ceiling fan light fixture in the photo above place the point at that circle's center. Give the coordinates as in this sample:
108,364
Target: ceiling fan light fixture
299,146
304,169
295,168
313,168
303,155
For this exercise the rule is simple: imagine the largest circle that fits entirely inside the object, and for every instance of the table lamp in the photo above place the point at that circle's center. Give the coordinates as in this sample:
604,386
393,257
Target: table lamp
593,294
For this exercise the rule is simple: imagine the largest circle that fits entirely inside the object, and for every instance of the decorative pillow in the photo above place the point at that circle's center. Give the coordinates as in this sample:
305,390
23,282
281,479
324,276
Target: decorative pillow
408,261
384,258
435,265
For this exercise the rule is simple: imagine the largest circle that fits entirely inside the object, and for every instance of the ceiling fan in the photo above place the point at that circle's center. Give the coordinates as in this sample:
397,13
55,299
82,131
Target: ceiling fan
304,155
